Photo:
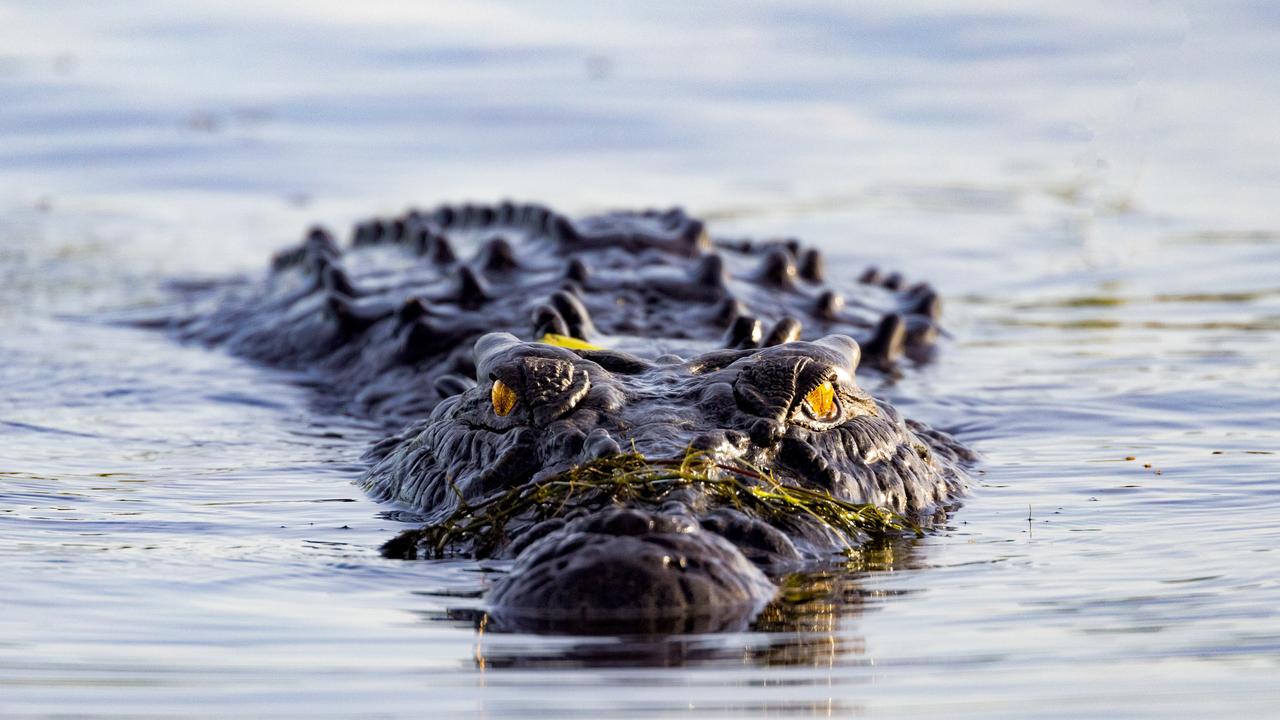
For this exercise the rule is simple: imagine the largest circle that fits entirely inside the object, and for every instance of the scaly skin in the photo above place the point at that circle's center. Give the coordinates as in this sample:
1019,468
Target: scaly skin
712,346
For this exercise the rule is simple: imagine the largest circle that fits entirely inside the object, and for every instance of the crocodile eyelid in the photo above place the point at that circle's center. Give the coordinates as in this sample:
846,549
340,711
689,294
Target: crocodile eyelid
807,382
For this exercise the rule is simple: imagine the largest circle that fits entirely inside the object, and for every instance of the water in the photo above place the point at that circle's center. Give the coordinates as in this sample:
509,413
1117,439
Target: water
1093,190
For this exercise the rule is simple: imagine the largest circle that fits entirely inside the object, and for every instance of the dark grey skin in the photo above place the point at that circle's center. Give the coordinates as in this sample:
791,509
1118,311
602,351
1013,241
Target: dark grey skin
739,406
712,345
390,321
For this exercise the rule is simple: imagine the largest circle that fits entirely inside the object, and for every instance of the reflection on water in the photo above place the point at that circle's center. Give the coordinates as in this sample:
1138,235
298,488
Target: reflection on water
802,626
1093,191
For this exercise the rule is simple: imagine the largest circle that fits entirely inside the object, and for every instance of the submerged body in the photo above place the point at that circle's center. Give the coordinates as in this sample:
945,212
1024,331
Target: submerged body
564,343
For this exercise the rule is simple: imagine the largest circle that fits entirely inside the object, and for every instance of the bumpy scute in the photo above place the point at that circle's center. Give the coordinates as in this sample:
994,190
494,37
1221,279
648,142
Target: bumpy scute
660,340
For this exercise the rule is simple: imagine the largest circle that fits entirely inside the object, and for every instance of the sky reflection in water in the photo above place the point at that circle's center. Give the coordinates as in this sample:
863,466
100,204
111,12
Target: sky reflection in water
1093,190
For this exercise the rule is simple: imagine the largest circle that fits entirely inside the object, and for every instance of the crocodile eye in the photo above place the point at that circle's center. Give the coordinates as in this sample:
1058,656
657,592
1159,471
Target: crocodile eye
503,397
821,402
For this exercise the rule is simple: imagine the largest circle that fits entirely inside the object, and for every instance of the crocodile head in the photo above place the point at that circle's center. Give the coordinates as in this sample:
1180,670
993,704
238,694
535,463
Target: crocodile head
538,410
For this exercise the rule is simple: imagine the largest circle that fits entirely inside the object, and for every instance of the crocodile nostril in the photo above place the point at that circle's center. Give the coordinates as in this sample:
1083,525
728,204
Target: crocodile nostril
626,522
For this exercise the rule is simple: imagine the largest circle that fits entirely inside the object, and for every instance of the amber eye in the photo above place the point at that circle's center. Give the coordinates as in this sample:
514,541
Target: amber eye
504,398
822,402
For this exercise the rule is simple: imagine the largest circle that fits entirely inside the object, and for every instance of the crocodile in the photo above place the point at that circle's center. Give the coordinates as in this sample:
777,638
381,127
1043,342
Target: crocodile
507,347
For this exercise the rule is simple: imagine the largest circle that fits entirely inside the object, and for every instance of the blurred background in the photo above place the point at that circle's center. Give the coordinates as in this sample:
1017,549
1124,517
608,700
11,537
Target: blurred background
337,110
1092,186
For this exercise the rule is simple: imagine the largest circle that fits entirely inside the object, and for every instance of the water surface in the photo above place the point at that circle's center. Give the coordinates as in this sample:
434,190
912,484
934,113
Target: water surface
1092,189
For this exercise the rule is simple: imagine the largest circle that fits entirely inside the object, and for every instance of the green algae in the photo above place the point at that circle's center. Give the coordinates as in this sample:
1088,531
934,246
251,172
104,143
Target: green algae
631,479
